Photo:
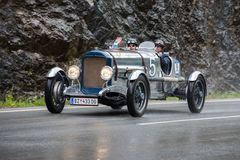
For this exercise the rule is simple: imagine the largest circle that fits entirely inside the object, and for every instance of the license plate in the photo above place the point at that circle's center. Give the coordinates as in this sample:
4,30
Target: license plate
84,101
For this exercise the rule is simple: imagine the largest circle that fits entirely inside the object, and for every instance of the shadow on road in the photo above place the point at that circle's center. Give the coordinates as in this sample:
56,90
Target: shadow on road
161,111
100,113
121,113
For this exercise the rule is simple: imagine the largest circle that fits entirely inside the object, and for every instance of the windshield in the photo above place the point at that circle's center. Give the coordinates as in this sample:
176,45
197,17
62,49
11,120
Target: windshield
146,45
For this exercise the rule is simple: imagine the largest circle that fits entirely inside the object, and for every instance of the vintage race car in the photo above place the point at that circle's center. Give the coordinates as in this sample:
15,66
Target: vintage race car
117,77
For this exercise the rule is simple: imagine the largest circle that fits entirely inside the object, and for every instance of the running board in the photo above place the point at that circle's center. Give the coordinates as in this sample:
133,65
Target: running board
168,79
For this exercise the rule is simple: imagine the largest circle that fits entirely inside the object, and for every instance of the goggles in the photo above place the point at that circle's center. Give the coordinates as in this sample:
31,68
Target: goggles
159,45
132,45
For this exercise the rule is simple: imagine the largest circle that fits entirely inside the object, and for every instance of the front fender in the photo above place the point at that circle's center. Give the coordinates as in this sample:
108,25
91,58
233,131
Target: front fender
135,74
194,75
52,73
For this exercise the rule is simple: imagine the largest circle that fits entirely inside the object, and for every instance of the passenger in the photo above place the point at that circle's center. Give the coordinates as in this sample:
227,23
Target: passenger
117,43
164,56
159,47
132,44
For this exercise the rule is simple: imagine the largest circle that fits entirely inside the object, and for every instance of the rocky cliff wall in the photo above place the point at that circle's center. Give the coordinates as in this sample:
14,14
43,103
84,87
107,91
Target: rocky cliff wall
36,35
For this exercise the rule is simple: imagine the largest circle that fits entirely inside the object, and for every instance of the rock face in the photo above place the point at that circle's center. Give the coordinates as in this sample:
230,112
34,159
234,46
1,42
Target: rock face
36,35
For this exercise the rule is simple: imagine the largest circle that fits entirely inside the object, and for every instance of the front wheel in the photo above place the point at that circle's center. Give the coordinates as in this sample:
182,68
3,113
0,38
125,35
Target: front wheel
196,94
54,98
137,96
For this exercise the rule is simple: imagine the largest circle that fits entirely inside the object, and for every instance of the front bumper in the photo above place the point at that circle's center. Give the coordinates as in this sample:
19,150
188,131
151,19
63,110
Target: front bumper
111,95
77,91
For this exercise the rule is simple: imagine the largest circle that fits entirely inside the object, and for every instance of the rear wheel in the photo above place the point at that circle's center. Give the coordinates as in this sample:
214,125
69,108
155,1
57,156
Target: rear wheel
54,97
137,96
196,95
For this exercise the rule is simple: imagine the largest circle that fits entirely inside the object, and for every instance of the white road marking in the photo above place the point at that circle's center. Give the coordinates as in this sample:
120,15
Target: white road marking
43,109
188,120
21,110
185,102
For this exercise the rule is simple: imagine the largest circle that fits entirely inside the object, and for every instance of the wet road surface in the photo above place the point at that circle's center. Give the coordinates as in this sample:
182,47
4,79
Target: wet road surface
167,131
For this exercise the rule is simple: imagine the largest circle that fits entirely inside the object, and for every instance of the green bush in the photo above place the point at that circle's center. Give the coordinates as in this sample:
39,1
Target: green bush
223,95
11,102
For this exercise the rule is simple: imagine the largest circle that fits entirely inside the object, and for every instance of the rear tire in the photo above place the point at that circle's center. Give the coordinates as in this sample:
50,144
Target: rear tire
196,94
137,96
54,97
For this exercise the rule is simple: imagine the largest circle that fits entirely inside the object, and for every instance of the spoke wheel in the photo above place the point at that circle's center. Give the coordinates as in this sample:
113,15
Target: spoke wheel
137,97
54,97
196,95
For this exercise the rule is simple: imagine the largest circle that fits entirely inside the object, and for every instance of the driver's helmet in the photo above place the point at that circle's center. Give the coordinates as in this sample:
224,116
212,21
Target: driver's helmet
132,41
159,43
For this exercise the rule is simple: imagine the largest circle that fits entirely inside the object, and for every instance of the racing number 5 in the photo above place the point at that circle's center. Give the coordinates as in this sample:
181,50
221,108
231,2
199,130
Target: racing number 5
152,68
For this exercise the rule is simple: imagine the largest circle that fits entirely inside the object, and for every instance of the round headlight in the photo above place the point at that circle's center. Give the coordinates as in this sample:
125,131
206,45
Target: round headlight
106,73
73,72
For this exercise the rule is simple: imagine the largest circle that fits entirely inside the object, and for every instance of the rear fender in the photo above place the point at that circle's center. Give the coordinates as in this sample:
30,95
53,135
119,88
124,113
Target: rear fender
194,75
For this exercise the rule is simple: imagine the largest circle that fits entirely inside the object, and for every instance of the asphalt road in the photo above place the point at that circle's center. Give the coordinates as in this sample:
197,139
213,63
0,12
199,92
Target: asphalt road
167,131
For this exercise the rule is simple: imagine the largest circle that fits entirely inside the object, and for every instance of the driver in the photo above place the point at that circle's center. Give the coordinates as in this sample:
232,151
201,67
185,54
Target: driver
132,44
164,56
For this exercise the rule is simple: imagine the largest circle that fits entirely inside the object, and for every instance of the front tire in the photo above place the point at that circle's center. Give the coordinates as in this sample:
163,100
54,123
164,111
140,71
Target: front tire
137,96
54,97
196,94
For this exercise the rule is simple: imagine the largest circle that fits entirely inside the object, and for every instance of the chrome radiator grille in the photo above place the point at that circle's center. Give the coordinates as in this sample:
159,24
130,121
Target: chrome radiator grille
91,72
